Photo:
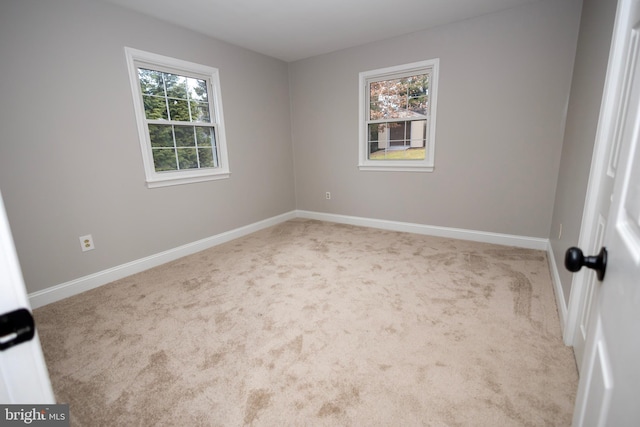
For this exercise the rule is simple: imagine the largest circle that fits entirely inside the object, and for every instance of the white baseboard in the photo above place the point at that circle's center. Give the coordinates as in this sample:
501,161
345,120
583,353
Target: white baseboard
557,288
82,284
430,230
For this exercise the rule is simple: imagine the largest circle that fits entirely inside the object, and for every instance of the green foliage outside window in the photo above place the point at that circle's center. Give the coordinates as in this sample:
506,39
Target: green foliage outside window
188,141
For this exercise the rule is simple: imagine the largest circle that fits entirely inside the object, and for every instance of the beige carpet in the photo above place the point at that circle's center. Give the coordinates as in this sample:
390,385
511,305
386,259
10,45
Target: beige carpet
317,324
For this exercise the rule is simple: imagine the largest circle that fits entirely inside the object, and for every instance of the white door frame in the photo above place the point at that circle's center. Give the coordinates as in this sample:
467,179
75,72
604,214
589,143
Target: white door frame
610,374
24,378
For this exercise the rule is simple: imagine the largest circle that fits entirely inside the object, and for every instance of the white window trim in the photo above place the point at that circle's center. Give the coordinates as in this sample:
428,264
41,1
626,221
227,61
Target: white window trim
162,179
426,165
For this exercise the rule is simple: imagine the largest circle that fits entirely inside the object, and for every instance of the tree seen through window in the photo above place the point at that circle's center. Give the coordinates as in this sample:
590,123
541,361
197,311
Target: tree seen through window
178,114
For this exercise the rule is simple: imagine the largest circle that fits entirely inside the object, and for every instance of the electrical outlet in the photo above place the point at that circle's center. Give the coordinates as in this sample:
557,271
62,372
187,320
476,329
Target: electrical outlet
86,242
327,195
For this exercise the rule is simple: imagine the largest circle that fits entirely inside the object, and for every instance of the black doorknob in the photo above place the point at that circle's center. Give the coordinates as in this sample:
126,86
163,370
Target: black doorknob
574,260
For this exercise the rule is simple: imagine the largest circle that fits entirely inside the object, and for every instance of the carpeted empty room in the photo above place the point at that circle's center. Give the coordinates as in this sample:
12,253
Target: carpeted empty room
317,323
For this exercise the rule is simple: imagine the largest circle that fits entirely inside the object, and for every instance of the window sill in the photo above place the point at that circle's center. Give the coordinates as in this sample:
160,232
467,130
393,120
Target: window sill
169,181
396,168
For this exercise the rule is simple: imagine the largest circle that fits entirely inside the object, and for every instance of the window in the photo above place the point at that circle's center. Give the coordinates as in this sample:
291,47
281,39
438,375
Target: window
179,115
398,117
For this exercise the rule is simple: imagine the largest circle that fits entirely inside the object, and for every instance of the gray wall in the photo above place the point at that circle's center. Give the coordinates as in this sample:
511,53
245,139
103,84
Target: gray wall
596,28
502,97
70,161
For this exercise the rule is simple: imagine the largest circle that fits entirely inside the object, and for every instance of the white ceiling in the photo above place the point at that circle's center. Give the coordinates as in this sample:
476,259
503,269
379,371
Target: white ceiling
297,29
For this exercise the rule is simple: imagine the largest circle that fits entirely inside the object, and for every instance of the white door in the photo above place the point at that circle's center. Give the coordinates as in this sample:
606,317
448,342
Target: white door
604,166
585,286
23,374
609,389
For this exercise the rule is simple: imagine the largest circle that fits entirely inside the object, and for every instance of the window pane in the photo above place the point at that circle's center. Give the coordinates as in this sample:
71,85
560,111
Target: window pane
402,140
206,147
179,110
418,105
197,90
200,112
184,136
176,86
151,82
164,159
375,130
160,136
398,134
398,98
187,98
418,85
376,136
205,136
188,158
206,158
155,107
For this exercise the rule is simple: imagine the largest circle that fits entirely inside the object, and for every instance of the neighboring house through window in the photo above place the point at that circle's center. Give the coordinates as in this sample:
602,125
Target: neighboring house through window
179,115
397,117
